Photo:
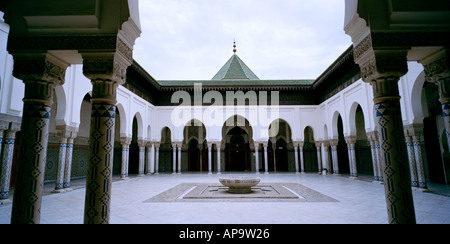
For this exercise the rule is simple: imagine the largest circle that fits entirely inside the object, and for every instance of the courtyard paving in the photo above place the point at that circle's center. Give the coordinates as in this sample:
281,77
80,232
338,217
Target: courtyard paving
353,202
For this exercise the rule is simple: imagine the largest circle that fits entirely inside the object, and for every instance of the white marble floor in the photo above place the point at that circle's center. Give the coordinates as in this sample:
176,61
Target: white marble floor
359,202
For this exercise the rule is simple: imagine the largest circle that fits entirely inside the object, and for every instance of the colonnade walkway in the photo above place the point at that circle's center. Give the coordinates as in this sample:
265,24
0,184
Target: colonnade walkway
357,202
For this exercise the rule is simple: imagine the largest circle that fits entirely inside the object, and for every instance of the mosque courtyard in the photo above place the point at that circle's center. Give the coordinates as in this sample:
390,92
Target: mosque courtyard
159,199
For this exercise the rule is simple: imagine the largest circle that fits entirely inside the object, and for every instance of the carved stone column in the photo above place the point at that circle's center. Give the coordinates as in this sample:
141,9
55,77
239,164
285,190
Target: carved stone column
210,158
150,158
266,156
302,158
297,168
326,159
319,156
257,157
6,161
334,156
40,74
141,144
157,145
351,140
125,141
179,144
174,158
383,69
219,164
106,72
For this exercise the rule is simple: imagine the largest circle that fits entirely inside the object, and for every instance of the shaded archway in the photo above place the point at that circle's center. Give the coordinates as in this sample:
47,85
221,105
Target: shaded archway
194,135
342,149
363,151
280,147
133,162
165,151
310,151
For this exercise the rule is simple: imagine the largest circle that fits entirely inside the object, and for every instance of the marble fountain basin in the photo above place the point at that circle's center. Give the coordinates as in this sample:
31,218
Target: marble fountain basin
240,184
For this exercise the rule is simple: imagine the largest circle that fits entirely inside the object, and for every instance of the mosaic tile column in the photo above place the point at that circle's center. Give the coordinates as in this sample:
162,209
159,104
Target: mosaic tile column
414,132
125,141
412,161
351,140
59,186
382,68
69,157
6,162
397,178
106,72
373,140
40,76
141,144
419,161
334,156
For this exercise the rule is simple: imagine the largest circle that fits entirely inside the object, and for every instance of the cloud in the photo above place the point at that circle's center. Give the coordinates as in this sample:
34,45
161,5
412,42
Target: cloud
278,39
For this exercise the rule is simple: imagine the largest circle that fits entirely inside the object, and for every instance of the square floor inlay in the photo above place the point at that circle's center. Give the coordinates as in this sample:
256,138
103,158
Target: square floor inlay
270,192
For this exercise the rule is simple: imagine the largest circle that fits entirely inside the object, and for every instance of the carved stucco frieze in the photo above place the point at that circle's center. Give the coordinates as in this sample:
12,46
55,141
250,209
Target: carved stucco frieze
438,72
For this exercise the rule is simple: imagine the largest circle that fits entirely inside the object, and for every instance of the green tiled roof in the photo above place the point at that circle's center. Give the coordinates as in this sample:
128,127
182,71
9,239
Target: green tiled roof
235,69
235,73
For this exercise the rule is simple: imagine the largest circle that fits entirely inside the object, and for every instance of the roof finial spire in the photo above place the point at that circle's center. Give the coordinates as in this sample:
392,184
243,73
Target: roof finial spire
234,50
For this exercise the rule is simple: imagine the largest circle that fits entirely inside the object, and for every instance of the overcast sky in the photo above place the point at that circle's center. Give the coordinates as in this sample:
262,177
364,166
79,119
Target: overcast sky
277,39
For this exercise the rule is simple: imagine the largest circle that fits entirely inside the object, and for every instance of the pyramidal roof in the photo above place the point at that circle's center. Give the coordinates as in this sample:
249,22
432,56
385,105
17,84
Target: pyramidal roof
235,69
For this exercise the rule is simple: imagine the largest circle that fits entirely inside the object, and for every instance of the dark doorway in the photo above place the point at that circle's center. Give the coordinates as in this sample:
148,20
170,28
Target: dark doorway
237,151
281,154
193,156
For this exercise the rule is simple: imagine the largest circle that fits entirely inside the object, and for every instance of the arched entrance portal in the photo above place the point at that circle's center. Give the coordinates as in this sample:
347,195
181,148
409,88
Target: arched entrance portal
237,151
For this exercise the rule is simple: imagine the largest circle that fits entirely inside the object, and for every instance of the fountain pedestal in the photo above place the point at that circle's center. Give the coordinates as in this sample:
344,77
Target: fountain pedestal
240,184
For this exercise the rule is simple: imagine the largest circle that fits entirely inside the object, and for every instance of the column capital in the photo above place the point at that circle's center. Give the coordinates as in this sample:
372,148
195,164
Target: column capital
142,142
350,139
125,141
334,142
383,69
437,66
318,144
157,144
40,73
110,66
